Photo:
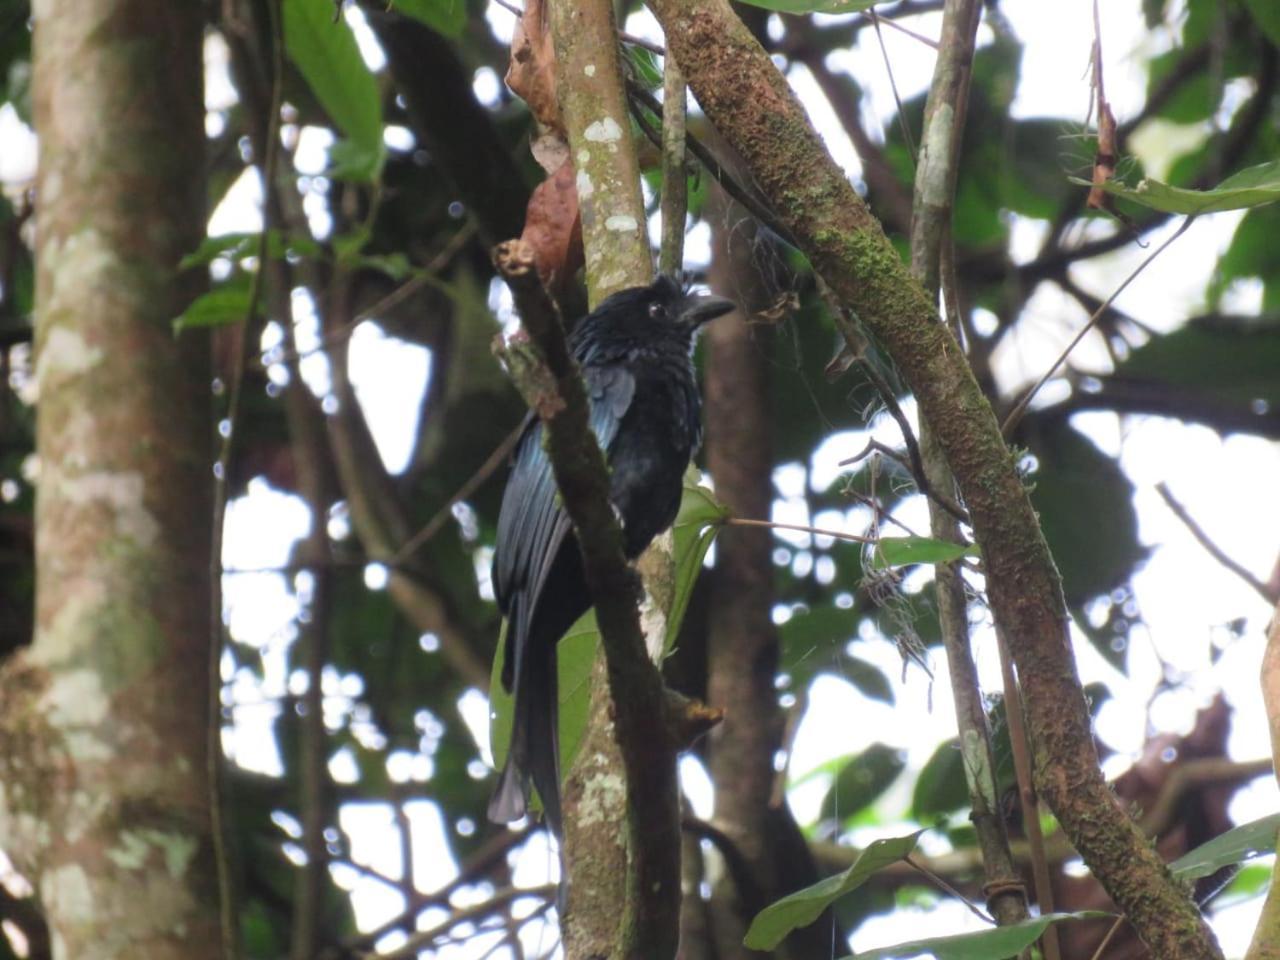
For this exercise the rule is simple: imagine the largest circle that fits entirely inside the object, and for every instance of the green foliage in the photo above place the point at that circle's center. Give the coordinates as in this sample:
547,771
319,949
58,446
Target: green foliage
1251,187
801,908
1243,843
904,551
326,53
998,943
1267,17
1193,358
225,304
1085,503
444,16
861,780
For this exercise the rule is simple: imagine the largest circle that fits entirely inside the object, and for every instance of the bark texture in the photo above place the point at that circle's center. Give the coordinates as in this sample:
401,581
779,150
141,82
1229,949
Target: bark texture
753,108
104,799
936,169
742,648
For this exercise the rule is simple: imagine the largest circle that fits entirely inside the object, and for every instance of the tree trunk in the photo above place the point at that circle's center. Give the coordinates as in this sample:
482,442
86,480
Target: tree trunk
103,740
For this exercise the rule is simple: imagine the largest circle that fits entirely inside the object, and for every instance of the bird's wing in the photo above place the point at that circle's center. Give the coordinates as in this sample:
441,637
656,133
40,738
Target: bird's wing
532,525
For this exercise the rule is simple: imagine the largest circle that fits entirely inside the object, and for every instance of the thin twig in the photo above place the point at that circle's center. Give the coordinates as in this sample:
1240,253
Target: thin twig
425,938
949,889
675,193
433,526
421,278
640,97
893,85
228,914
916,465
1115,927
890,22
1020,745
741,522
1015,416
1213,549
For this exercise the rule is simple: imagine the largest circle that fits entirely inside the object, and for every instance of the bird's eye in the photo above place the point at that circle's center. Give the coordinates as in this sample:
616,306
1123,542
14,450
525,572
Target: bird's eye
657,310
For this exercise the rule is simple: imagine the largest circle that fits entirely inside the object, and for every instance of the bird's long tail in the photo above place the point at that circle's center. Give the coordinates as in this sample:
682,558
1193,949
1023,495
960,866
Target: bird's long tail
534,753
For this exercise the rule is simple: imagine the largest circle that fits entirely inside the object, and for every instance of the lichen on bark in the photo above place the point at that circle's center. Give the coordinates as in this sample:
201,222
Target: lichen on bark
102,745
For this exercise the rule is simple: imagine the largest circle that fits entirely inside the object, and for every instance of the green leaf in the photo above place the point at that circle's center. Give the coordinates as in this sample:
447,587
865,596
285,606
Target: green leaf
1222,360
352,160
394,265
1085,502
443,16
861,780
327,55
902,551
219,307
868,678
1235,846
1251,187
815,6
695,528
1266,14
998,943
803,907
237,245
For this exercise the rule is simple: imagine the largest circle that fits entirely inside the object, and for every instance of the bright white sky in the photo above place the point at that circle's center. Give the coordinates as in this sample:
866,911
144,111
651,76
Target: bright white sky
1184,595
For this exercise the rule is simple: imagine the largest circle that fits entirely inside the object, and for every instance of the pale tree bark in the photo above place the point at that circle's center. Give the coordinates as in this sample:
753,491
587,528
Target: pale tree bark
104,797
603,901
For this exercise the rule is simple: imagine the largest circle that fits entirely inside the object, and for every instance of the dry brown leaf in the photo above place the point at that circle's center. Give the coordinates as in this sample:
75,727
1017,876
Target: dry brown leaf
531,74
553,227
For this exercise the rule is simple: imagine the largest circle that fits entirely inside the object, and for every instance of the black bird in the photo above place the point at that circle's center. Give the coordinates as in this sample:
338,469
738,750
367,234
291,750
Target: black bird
634,351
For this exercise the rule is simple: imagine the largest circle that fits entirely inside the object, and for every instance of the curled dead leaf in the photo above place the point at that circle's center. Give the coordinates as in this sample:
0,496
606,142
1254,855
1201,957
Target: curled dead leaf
531,75
553,228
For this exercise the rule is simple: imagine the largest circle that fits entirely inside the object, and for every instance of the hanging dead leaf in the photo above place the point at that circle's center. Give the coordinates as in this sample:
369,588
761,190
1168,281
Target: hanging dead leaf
551,150
553,227
531,74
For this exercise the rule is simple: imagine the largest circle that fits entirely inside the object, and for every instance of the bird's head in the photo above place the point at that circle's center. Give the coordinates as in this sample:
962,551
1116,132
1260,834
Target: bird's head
666,302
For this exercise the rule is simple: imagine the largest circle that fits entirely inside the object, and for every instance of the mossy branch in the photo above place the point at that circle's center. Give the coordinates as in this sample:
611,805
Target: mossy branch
758,114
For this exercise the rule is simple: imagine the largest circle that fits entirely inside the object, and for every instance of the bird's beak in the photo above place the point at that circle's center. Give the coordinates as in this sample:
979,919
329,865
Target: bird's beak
695,311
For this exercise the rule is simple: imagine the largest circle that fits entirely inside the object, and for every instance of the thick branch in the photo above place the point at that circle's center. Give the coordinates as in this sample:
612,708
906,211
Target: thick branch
552,385
758,114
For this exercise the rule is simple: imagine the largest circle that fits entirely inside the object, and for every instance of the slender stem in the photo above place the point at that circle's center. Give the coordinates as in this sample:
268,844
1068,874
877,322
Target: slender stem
1027,794
1015,415
675,194
243,338
1213,549
936,175
740,522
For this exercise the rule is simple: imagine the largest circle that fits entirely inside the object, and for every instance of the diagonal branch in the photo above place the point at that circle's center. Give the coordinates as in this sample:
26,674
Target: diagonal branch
758,114
550,382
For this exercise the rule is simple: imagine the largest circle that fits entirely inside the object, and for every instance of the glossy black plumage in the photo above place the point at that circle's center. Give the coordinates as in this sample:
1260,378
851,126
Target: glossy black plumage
634,351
